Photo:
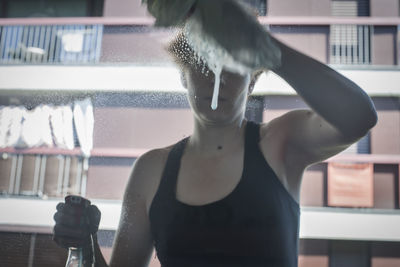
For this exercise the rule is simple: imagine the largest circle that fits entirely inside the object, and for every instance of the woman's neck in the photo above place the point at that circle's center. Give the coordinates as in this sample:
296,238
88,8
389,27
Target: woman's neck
210,139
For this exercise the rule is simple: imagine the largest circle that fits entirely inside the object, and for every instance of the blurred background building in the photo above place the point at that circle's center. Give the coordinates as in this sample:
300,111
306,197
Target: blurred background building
86,87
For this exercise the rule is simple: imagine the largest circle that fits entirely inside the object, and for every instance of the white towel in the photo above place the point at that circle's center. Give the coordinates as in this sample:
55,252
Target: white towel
30,132
10,125
62,127
35,130
84,124
47,139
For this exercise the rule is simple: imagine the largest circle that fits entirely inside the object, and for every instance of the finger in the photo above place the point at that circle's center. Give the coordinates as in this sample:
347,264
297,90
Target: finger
71,209
71,232
56,216
67,220
60,206
94,215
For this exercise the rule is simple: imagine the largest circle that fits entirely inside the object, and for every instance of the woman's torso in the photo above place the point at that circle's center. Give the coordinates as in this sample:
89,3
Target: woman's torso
226,217
273,155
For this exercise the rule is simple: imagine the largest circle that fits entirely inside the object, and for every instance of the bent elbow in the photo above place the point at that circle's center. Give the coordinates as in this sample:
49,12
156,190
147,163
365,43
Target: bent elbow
360,127
366,124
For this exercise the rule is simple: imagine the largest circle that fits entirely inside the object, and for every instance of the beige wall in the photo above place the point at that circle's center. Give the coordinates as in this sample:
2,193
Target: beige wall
124,45
107,181
388,8
310,40
385,186
385,254
144,128
384,8
313,186
5,172
298,8
124,8
385,135
313,253
313,260
384,45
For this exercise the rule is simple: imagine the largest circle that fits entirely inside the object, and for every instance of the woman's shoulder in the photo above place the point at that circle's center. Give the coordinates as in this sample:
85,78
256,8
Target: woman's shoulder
149,168
156,157
152,160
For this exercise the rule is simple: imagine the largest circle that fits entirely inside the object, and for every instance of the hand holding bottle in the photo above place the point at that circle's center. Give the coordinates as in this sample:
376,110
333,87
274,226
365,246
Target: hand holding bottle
76,220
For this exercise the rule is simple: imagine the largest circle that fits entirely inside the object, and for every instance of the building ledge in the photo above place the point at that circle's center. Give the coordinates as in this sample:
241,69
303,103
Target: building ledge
113,152
36,215
95,78
149,21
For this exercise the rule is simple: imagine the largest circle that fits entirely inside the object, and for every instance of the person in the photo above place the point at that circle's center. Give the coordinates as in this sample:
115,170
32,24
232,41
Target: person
229,194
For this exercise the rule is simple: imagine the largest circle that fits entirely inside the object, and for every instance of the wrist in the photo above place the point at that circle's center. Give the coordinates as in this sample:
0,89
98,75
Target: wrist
284,51
191,11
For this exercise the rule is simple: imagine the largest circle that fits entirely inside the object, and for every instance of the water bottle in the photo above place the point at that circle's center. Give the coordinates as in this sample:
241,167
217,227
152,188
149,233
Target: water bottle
80,257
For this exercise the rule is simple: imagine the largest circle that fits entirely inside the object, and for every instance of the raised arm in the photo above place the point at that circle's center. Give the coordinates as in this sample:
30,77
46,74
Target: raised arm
341,112
332,96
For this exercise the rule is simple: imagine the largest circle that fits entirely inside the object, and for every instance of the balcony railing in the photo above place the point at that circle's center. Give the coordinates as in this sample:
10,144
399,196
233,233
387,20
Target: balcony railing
43,175
21,44
350,44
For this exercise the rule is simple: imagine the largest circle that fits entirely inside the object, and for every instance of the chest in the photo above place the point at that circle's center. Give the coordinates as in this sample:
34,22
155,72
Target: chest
209,180
205,180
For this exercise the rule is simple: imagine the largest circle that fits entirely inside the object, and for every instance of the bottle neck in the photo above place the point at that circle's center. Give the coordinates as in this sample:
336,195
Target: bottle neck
81,257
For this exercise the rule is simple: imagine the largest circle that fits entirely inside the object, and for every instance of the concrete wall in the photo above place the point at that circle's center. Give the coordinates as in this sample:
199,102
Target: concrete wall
313,186
385,135
385,184
108,177
385,254
313,253
299,8
310,40
274,8
124,8
139,46
384,45
384,8
140,127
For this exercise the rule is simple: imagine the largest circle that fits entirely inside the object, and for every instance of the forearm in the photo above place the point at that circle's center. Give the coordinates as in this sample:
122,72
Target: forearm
334,97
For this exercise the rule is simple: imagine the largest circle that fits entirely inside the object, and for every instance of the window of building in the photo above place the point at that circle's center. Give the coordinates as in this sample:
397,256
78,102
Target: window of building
51,8
350,8
350,44
50,44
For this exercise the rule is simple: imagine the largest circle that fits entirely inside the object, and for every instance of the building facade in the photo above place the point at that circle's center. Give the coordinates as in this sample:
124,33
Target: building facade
86,87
